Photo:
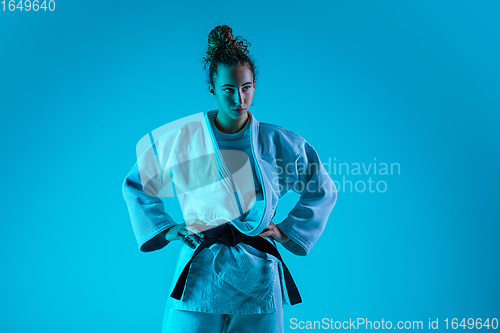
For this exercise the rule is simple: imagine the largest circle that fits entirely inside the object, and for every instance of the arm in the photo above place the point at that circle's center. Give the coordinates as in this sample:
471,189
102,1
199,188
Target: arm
151,179
147,213
318,194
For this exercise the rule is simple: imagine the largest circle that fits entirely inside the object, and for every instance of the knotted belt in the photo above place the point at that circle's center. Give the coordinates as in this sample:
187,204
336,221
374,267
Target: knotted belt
230,236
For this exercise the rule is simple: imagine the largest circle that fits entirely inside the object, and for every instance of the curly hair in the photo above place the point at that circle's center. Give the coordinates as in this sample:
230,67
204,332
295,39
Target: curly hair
224,49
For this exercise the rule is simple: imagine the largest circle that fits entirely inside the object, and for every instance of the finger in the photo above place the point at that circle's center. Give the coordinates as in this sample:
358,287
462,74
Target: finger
193,240
183,231
197,238
202,236
189,242
266,234
193,233
182,235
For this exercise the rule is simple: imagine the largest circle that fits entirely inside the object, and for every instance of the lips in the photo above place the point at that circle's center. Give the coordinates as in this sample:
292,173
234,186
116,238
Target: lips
240,110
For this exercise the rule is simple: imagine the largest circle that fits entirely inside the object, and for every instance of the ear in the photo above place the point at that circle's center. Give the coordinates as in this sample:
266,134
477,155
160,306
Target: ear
211,89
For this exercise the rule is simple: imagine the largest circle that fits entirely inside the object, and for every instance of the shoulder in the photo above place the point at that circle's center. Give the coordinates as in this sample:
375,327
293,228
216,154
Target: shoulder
281,132
176,135
283,137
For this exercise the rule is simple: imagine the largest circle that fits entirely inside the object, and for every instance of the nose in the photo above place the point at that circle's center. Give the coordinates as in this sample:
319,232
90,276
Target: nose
238,98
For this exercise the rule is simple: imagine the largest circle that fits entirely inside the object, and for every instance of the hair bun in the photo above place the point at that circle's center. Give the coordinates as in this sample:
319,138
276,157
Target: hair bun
220,36
221,39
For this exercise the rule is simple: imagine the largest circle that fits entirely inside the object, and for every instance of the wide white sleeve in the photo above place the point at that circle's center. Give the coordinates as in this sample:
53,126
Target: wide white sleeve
147,213
318,194
148,180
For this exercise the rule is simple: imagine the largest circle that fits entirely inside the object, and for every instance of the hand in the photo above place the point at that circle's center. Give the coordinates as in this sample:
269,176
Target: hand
187,235
273,231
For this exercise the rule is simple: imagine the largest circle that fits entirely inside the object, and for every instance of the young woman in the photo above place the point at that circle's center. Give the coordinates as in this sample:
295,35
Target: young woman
229,168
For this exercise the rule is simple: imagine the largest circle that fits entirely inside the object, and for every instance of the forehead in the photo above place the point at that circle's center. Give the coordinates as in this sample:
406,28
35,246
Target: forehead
236,75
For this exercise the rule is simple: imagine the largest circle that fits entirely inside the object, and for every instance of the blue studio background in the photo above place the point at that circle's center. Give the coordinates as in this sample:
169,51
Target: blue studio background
410,83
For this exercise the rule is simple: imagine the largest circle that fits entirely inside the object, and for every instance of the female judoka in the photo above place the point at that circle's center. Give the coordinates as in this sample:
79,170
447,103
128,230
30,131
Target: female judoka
230,276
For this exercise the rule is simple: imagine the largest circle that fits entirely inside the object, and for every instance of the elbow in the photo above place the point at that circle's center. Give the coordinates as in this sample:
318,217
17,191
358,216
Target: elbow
333,194
126,188
328,193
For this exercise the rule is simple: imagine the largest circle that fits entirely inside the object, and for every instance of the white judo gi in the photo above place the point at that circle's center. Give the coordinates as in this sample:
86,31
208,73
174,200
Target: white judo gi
238,286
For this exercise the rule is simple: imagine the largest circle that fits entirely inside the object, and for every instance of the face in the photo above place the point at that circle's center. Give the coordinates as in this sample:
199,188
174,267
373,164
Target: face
234,87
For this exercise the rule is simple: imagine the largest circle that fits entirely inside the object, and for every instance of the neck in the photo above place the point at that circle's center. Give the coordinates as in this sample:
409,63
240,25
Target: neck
229,125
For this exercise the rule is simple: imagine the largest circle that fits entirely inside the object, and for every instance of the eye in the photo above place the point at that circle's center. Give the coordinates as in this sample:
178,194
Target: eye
247,87
227,90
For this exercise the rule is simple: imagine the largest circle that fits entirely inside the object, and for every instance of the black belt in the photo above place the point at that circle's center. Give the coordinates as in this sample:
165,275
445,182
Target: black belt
230,236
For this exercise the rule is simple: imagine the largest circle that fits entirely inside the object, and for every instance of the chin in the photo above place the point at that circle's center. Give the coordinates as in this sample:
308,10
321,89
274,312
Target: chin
236,115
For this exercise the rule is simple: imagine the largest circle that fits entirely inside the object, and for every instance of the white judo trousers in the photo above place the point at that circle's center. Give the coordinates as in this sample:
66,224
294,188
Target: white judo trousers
181,321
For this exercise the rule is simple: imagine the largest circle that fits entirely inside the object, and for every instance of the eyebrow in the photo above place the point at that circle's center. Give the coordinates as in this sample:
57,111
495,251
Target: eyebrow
230,85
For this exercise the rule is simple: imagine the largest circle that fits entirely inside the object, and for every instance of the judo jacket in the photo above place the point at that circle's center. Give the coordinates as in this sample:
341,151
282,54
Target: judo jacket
182,159
284,161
